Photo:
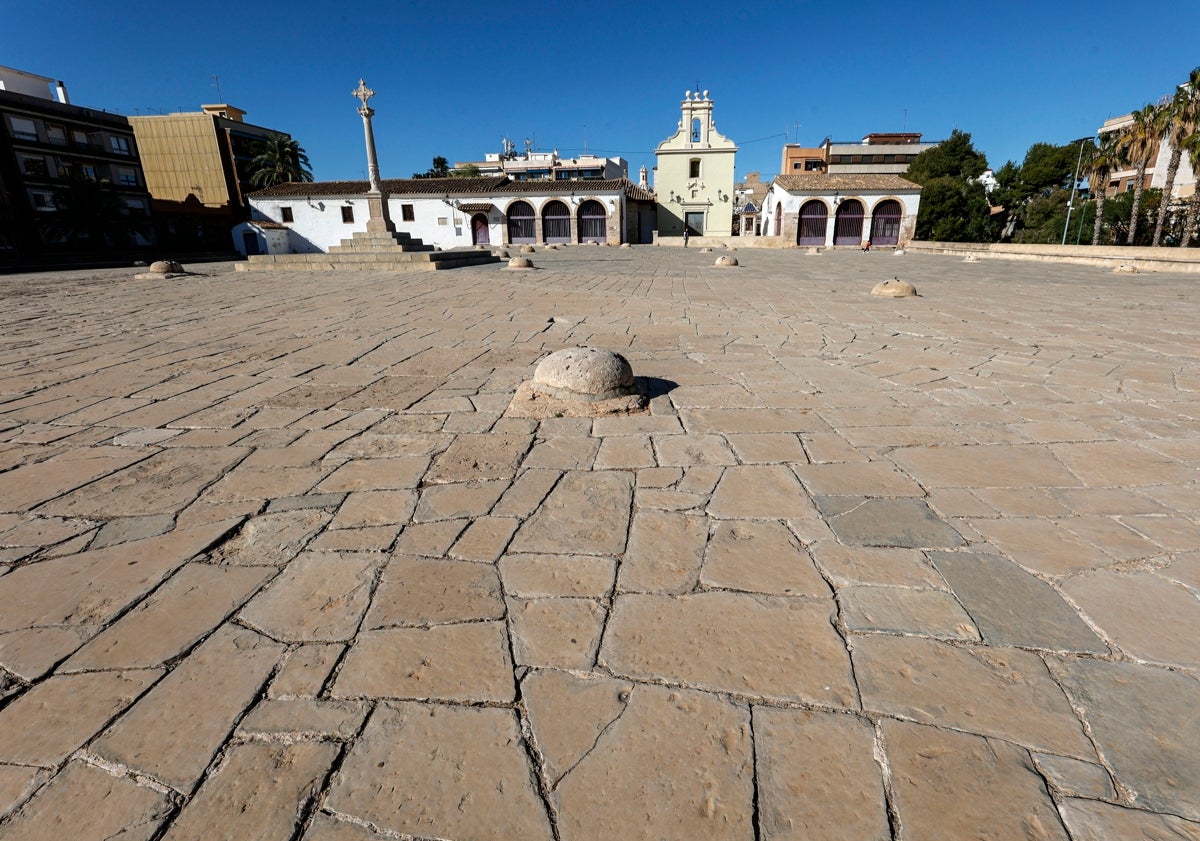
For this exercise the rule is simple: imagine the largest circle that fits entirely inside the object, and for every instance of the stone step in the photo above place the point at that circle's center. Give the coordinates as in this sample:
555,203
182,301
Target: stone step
394,261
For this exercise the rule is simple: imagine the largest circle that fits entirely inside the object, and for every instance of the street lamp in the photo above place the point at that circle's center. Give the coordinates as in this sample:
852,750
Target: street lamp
1074,187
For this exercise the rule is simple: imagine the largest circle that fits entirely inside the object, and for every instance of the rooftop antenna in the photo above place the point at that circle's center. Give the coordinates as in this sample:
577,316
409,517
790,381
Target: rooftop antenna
585,151
905,120
217,82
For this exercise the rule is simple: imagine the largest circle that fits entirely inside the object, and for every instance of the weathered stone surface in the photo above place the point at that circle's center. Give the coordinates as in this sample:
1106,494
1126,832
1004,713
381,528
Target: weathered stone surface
873,565
691,450
532,576
760,557
271,539
1142,613
869,478
473,457
903,523
556,633
485,539
1075,777
1122,464
769,492
304,672
588,512
665,553
629,785
973,689
375,508
197,703
376,474
320,597
817,777
1013,608
28,485
954,785
46,724
584,373
17,782
87,803
716,641
1091,821
179,614
906,610
526,493
997,466
568,713
486,786
430,591
1041,545
894,288
132,528
92,587
304,718
563,453
30,653
454,501
1144,721
468,662
266,805
624,452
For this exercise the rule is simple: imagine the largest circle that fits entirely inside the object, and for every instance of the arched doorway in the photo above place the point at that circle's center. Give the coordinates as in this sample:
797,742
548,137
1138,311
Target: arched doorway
814,219
778,219
479,229
556,222
848,227
885,223
592,222
521,227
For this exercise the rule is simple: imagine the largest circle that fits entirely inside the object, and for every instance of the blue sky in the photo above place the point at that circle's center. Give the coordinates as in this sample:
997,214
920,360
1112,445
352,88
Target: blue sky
453,79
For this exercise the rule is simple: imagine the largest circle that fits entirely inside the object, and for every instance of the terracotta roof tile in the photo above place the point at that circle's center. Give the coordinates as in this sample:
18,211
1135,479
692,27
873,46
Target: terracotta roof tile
392,186
821,181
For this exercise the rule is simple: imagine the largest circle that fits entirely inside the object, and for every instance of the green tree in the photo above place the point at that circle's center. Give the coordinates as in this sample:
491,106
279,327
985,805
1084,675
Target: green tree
1182,116
953,205
92,211
1099,164
468,171
1138,143
440,169
278,159
1192,148
954,157
1046,171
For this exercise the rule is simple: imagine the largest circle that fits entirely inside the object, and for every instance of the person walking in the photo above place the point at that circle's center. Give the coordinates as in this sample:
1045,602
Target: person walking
686,231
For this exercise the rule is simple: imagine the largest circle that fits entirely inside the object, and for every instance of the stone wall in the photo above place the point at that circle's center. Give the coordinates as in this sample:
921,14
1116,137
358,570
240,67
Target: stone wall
1141,258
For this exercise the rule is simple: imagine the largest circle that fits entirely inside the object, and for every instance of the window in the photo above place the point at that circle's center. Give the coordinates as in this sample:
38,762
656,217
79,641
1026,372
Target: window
23,129
43,201
406,212
127,177
813,166
285,214
34,166
137,207
80,139
56,134
696,130
694,168
443,220
347,214
120,145
88,171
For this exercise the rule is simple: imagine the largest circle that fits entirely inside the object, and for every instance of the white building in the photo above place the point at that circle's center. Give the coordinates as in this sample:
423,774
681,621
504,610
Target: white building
694,179
841,210
454,212
547,166
1124,180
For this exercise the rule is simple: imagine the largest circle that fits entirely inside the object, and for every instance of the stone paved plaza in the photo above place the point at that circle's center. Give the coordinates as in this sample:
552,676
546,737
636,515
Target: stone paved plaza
275,563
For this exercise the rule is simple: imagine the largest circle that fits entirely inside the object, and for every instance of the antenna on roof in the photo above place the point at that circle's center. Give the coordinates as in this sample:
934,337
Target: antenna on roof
217,82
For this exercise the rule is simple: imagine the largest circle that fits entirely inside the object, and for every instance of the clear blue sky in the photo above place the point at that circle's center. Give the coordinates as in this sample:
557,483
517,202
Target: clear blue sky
453,78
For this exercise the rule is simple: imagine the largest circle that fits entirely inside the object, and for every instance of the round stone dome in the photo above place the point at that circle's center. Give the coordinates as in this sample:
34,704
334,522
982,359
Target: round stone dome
584,373
894,288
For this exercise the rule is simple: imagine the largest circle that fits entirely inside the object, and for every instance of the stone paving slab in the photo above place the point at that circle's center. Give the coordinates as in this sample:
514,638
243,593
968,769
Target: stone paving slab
274,562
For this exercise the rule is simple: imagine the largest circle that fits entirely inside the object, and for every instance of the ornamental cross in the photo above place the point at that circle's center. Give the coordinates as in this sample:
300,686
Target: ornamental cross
363,93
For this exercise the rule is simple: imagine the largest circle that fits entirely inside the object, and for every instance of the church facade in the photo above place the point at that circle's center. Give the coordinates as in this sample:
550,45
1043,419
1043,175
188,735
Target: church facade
695,174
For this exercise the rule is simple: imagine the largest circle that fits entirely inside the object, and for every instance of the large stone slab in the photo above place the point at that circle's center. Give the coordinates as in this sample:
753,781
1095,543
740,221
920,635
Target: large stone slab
586,513
756,646
817,777
429,591
472,457
1013,608
665,552
631,784
29,485
760,557
557,633
320,597
271,539
996,466
955,785
442,772
972,689
764,492
906,610
1089,820
902,523
568,713
1144,721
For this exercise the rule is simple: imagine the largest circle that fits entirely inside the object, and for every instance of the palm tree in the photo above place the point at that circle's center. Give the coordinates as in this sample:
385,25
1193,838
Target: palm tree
1099,166
1192,147
278,160
1139,142
1182,115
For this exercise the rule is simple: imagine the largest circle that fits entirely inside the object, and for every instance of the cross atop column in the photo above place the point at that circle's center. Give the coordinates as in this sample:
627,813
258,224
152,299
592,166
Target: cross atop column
377,209
363,93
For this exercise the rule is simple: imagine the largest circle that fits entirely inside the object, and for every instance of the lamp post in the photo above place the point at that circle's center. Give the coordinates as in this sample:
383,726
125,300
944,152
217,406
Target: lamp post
378,220
1074,187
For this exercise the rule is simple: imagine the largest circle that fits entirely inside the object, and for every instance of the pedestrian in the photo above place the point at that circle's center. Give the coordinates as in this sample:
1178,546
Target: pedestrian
685,235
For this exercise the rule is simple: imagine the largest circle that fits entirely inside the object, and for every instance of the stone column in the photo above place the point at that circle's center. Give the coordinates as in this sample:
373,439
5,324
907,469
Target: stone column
378,220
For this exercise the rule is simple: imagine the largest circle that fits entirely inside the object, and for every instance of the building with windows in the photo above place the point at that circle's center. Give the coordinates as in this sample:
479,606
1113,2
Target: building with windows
451,213
694,175
547,166
1124,179
841,210
45,142
198,169
879,153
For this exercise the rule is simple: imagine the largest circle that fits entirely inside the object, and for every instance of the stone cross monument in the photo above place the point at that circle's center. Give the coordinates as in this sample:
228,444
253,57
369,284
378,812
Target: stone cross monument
378,220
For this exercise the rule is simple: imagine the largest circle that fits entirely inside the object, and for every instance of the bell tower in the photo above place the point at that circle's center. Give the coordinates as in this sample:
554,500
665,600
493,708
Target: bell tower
695,174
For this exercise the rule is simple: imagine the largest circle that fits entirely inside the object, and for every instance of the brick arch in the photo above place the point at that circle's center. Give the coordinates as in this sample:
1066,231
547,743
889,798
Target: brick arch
593,225
522,222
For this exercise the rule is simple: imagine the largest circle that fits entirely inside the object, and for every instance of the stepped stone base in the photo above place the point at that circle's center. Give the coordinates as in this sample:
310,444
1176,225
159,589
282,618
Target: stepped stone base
371,251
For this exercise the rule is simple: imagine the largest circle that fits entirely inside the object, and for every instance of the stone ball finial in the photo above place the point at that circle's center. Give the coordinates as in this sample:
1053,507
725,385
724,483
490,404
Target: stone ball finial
520,263
165,267
706,94
894,288
585,374
687,95
725,261
527,249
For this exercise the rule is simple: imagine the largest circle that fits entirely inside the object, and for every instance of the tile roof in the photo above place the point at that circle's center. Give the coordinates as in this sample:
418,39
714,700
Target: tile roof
483,186
475,206
817,182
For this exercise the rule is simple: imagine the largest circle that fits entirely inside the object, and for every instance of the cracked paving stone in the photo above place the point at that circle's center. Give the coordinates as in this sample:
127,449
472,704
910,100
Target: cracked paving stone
84,802
974,689
1144,721
1074,777
906,610
763,492
467,662
28,485
758,646
308,718
760,557
16,784
665,553
558,633
589,512
956,785
458,500
1089,820
479,456
1011,607
991,466
902,523
532,576
485,791
320,597
630,785
846,565
256,793
271,539
817,777
568,713
428,591
30,653
304,672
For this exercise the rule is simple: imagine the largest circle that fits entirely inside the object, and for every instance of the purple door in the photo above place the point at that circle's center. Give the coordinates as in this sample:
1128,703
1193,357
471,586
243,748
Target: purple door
814,218
556,222
592,222
885,223
521,227
479,229
848,228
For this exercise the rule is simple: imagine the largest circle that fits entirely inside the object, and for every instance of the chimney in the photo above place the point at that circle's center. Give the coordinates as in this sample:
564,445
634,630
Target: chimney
60,88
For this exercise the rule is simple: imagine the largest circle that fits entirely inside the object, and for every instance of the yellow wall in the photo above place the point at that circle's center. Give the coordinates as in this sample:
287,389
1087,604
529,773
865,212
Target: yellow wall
181,157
